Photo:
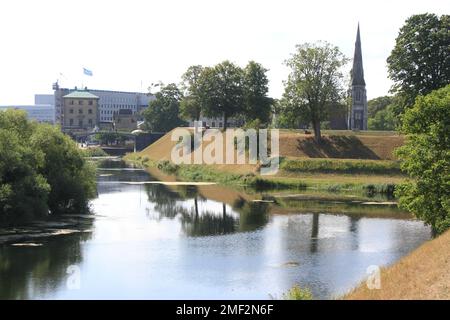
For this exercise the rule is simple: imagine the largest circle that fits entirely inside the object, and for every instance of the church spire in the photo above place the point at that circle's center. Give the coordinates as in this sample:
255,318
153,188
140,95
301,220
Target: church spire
358,71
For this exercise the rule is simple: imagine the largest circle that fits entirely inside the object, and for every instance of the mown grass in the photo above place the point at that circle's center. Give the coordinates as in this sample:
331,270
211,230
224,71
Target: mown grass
341,166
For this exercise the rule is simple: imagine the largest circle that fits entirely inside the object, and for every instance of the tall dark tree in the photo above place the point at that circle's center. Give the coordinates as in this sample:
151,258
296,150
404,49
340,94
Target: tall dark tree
257,105
191,104
222,91
420,60
315,82
162,114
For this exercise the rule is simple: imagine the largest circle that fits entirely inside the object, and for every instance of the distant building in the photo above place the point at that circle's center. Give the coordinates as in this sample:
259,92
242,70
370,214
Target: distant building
358,112
124,119
44,99
80,110
108,103
44,113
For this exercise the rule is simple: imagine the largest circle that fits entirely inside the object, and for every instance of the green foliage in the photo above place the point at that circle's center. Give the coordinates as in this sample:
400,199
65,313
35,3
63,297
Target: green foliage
191,104
420,60
341,166
71,178
378,104
298,293
222,91
23,191
41,171
384,119
314,82
257,105
426,159
162,115
94,152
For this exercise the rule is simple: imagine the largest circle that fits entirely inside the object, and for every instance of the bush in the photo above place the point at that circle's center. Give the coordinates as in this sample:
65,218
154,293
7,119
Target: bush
341,166
42,171
94,152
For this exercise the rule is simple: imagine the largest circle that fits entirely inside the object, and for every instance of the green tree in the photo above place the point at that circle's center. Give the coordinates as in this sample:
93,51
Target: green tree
41,171
384,119
222,91
191,104
23,191
426,159
162,113
257,105
420,60
377,104
71,178
315,81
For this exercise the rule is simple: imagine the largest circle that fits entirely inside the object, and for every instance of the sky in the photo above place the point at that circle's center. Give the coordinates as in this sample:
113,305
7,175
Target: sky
130,44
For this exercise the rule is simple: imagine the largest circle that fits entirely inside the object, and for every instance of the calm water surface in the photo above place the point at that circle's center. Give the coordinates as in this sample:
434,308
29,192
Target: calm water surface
152,241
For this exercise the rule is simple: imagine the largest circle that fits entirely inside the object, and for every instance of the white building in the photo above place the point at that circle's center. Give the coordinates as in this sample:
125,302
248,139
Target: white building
38,112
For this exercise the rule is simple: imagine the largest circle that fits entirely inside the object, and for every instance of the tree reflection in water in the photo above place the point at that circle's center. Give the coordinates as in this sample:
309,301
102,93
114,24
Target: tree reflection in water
27,272
216,219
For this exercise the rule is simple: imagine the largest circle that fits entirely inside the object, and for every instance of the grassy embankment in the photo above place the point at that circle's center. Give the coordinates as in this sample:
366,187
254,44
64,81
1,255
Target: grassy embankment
423,274
358,163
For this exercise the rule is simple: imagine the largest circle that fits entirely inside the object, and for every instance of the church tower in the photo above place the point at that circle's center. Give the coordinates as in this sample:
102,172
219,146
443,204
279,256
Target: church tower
358,114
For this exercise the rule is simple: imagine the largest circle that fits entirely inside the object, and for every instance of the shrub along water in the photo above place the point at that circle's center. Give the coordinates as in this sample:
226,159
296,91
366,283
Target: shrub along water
341,166
42,171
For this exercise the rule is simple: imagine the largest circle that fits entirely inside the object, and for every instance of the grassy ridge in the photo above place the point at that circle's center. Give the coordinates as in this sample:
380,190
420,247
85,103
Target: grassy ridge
210,174
341,166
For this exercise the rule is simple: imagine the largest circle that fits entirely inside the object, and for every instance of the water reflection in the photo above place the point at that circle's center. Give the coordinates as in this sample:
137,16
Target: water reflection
203,217
29,272
155,241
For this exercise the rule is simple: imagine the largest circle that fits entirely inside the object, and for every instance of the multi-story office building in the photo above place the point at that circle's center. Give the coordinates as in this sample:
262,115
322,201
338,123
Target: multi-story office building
109,102
39,112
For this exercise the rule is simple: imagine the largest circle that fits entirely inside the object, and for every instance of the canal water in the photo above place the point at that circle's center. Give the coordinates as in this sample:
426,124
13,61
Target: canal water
157,241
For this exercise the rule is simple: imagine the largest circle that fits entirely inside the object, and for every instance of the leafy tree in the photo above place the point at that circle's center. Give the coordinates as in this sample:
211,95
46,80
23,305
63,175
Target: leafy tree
426,159
191,104
420,60
23,191
315,81
384,119
377,104
163,112
71,178
222,91
41,170
257,105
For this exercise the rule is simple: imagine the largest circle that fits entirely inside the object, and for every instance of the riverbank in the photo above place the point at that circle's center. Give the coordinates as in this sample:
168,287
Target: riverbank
30,234
344,162
234,175
423,274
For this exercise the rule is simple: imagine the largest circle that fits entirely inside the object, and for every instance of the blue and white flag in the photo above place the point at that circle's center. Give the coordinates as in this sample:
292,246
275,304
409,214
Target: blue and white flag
87,72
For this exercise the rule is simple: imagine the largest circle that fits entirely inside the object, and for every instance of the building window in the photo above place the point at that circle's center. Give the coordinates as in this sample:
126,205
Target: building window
71,102
358,95
90,102
213,124
90,121
80,102
90,111
80,111
80,123
71,111
71,122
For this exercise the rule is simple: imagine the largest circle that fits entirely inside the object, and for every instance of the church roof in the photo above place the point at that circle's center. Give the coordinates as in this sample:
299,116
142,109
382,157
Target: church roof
358,70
